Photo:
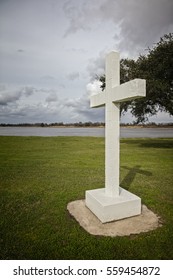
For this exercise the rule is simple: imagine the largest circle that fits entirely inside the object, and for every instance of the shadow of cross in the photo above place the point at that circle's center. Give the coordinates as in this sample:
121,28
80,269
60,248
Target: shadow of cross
126,182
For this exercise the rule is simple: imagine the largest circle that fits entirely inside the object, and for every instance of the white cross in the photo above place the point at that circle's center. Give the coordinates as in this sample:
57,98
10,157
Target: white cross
111,98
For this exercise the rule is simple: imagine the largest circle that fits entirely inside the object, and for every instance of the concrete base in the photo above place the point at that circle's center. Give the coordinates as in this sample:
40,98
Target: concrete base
109,209
145,222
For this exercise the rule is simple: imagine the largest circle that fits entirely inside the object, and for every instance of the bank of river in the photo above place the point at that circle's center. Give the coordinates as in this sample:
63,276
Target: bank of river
125,132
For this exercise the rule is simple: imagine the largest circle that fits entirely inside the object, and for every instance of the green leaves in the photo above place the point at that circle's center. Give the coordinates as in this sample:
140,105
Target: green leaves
157,68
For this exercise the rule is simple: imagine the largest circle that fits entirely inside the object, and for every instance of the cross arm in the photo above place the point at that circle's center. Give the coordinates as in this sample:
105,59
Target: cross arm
97,100
130,90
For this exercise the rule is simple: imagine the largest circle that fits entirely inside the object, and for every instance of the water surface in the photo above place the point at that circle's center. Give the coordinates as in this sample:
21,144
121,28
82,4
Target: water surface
125,132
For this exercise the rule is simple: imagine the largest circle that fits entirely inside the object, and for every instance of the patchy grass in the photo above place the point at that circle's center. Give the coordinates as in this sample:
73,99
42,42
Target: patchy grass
39,176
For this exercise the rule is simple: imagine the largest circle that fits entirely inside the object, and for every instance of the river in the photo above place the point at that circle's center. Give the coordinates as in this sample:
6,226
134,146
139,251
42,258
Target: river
125,132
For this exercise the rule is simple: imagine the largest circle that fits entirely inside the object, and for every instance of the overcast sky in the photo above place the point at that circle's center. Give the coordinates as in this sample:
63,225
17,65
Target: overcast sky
51,50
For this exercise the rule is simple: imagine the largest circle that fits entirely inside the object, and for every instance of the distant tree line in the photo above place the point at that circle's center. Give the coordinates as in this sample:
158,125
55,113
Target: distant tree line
82,124
56,124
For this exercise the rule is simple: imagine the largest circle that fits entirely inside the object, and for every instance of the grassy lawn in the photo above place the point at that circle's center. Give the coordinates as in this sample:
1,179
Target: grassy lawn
40,175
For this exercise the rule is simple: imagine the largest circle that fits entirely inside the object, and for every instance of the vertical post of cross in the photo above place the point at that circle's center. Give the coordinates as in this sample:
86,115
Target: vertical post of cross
112,131
113,202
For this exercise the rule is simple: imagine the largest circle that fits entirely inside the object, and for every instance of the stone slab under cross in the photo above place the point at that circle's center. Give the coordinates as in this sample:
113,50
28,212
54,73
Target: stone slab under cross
104,202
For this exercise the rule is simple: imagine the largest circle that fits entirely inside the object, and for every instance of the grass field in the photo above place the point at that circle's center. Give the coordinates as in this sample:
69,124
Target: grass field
39,176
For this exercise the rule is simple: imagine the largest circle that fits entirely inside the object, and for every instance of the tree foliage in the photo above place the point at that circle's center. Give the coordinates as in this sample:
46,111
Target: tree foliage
157,68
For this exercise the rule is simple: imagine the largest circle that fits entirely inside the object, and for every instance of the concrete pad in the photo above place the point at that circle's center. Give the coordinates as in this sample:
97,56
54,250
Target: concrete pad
145,222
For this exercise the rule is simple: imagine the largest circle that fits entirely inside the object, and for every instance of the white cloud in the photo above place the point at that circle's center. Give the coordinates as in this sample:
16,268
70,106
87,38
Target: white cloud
94,87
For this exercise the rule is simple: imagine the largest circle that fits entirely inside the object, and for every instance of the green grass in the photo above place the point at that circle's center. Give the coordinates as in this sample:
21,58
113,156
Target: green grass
39,176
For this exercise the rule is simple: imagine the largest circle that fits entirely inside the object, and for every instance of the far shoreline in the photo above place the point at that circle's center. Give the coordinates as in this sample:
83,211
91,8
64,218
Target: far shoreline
131,126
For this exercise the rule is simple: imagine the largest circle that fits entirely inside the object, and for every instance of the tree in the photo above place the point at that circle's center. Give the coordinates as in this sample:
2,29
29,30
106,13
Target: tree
157,68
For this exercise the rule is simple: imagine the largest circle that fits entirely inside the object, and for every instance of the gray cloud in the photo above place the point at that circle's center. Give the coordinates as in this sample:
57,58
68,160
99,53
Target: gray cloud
10,96
141,22
55,109
31,113
80,108
48,78
73,76
96,66
52,97
27,90
138,23
78,15
13,110
35,52
76,50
